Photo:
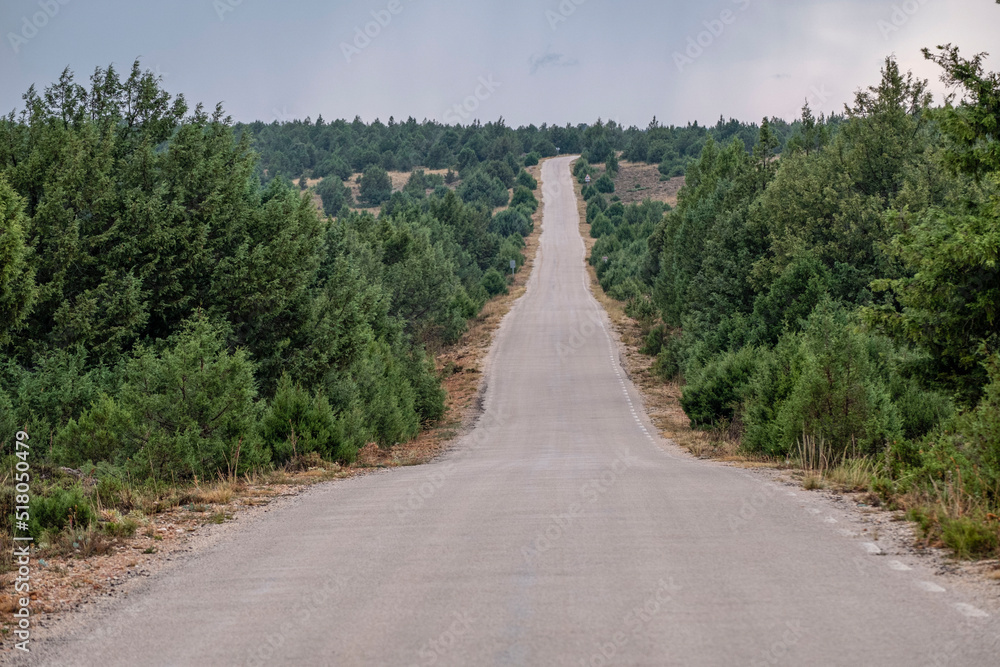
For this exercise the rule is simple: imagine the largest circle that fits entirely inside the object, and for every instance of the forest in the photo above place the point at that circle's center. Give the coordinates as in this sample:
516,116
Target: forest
337,149
837,304
174,306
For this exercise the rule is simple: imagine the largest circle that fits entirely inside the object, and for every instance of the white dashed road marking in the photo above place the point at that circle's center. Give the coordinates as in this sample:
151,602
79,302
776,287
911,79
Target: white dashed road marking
930,587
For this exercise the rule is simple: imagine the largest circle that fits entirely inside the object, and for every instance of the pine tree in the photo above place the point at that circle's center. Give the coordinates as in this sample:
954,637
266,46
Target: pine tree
17,288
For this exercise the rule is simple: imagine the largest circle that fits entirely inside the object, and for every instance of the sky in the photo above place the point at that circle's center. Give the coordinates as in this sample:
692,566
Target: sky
547,61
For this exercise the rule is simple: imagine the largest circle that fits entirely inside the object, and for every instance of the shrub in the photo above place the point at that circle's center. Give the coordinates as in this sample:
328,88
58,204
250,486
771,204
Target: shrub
494,282
58,509
523,197
970,538
715,390
531,159
839,394
501,171
417,184
485,189
376,186
545,148
605,184
596,204
641,308
510,222
510,249
429,396
655,340
297,422
527,180
334,193
611,164
601,226
192,407
102,433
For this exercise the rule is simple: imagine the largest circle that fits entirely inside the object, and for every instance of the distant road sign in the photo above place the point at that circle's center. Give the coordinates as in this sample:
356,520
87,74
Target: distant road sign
513,264
587,179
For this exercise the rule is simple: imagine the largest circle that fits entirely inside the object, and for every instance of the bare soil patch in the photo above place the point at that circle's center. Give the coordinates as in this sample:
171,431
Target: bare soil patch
638,181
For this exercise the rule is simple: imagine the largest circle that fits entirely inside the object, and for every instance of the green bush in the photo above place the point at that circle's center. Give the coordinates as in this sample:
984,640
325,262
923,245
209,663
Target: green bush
605,184
500,170
102,433
640,308
483,188
58,509
531,159
510,249
839,394
596,204
193,408
334,194
429,395
601,226
524,198
494,282
714,391
510,222
656,338
970,538
297,422
527,180
376,186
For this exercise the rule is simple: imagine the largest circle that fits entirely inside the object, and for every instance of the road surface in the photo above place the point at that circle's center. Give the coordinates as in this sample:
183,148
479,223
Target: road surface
561,531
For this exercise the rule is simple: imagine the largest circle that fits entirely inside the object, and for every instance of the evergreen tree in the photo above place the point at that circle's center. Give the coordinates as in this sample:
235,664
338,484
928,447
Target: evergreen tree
376,186
17,289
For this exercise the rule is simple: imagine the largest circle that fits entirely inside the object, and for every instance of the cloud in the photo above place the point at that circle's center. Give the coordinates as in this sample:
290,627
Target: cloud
550,59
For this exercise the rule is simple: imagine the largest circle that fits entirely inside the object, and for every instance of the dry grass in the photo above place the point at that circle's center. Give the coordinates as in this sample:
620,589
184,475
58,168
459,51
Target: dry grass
638,181
219,494
853,474
398,178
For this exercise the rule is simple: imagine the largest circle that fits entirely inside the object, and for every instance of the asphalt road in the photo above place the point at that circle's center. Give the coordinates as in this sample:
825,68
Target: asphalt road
560,532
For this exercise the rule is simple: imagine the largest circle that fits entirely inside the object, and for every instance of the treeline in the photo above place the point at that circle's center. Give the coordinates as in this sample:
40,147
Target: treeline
840,302
165,316
339,149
